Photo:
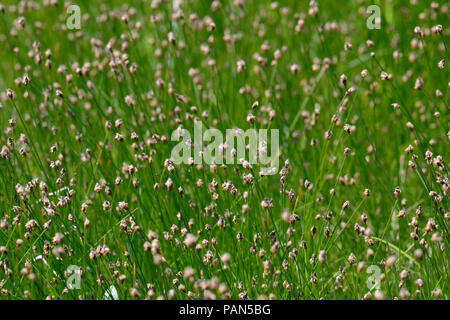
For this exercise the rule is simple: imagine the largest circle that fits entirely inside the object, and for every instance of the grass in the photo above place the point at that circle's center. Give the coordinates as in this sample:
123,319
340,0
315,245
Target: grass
62,154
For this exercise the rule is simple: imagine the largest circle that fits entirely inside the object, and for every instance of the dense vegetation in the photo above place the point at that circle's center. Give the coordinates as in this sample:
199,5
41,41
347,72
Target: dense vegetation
358,208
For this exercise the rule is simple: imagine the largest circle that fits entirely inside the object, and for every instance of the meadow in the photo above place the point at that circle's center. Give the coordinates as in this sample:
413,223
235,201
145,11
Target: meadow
93,205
